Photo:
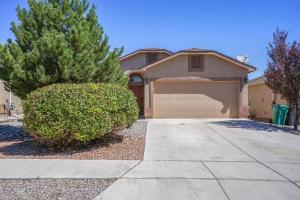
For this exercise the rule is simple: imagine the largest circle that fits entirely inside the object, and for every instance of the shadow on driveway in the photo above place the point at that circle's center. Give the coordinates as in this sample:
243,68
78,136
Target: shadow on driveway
252,125
12,133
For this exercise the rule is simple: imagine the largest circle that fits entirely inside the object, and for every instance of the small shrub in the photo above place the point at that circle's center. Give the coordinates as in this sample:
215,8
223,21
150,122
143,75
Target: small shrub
62,114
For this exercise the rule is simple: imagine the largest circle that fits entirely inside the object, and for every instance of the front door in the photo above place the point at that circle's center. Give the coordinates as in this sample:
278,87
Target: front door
138,91
136,85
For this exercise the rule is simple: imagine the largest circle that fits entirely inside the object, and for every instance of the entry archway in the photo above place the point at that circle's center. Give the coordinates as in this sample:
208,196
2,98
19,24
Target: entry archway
136,85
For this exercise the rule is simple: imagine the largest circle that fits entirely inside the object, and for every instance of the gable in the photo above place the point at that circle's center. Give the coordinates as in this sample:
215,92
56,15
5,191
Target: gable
204,52
138,60
214,67
133,62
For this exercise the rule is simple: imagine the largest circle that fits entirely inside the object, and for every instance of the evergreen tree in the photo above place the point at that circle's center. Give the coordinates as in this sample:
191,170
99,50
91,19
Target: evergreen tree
58,41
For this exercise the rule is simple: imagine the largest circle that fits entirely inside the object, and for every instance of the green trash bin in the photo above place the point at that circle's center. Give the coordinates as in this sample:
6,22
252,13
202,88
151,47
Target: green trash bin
274,113
279,114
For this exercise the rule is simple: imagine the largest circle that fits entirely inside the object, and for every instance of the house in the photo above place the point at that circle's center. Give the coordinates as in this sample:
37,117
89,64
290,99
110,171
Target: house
192,83
261,99
4,100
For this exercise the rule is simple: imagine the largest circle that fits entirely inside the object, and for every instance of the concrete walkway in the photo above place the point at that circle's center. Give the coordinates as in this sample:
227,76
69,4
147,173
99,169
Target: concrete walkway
212,159
39,168
5,118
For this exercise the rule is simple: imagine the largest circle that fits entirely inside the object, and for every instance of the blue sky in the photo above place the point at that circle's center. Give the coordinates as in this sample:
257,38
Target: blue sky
233,27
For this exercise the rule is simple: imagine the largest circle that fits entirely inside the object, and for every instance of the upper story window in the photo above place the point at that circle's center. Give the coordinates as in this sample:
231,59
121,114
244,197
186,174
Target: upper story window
151,58
196,63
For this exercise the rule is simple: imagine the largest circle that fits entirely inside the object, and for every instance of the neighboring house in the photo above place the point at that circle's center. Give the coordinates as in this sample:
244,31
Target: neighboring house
261,99
4,100
192,83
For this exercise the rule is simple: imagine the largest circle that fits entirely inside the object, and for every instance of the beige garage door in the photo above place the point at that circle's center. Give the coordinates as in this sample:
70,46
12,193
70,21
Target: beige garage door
195,99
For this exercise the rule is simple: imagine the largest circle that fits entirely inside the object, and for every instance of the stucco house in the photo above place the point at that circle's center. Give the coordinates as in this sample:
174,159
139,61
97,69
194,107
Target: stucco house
192,83
261,99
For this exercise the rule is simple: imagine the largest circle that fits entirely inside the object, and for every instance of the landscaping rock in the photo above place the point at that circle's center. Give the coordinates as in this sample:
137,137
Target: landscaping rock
72,189
127,144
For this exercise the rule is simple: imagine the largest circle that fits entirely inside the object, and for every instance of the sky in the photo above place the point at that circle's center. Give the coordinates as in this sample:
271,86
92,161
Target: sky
232,27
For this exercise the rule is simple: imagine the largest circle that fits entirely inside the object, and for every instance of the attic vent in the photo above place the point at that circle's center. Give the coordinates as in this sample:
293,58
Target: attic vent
196,63
151,58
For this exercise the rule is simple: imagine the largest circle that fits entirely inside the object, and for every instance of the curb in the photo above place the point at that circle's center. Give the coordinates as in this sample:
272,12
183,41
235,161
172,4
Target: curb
10,120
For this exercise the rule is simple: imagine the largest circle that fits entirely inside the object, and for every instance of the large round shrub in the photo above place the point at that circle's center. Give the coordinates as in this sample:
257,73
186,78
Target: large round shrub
61,114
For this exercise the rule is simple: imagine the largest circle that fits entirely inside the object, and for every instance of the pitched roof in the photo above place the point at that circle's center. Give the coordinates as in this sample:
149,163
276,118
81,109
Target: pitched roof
145,50
192,50
202,51
257,80
153,49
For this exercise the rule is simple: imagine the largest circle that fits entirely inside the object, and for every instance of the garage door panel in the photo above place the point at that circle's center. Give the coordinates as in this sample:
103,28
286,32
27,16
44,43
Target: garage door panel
195,99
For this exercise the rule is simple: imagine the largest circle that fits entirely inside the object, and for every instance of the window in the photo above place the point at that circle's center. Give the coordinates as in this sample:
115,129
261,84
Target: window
136,79
151,58
196,63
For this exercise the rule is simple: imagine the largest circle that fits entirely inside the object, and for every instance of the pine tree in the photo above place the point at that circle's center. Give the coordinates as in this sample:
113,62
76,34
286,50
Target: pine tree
58,41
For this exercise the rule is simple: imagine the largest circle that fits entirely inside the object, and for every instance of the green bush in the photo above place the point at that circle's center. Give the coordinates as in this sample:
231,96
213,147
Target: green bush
62,114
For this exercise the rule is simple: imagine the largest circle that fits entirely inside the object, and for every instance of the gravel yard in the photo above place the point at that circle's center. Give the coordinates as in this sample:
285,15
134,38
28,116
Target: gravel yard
52,188
127,144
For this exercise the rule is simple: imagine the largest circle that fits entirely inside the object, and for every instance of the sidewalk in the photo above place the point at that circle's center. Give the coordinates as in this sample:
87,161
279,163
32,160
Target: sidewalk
39,168
6,118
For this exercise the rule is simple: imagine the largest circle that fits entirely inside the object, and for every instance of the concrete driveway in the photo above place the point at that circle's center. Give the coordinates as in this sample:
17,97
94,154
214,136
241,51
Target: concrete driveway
213,159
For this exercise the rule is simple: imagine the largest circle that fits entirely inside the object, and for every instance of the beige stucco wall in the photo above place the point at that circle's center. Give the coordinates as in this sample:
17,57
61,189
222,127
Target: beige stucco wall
133,62
4,97
138,60
215,68
162,55
260,101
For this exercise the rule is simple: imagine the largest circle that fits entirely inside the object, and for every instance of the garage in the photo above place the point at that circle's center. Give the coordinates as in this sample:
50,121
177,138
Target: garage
195,99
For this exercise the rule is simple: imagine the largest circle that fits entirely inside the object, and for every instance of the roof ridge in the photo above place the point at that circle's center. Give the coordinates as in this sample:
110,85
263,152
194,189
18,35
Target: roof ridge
147,50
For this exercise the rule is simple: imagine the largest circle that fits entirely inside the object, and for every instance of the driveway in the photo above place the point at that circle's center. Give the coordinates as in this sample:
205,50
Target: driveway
213,159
